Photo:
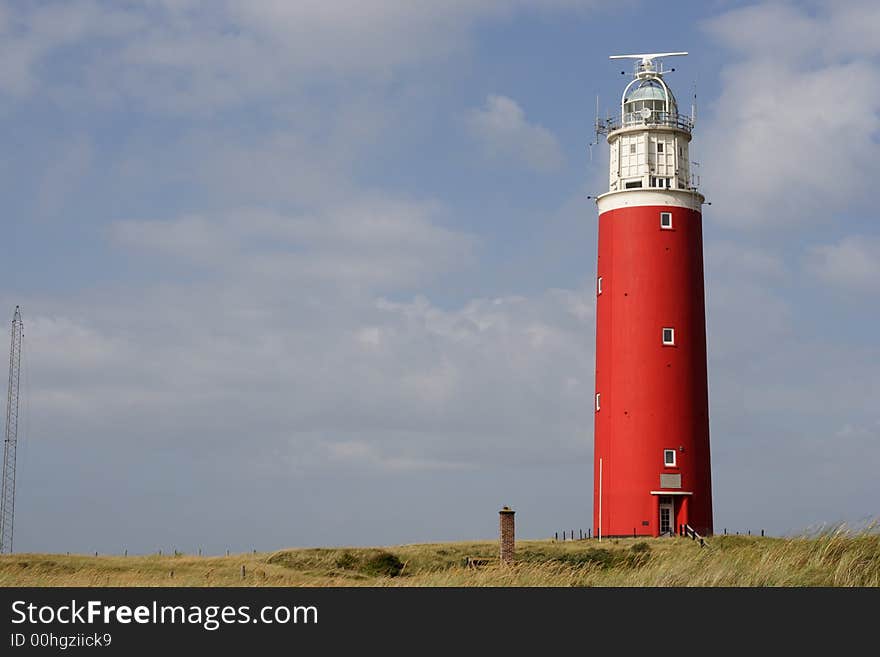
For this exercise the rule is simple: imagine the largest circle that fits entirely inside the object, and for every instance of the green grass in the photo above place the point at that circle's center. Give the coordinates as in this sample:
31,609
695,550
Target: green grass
832,558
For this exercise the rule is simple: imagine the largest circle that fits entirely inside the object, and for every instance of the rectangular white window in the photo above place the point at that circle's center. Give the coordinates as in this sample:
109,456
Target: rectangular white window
666,220
659,146
632,149
669,458
597,401
599,285
668,336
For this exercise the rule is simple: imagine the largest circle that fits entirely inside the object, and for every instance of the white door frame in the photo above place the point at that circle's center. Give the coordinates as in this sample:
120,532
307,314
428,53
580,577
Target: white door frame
669,505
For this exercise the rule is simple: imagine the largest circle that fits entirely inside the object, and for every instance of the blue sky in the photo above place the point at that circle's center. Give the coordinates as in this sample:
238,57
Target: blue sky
321,273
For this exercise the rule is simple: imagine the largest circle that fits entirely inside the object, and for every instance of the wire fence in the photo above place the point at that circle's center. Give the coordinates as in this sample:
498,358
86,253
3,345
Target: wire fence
587,534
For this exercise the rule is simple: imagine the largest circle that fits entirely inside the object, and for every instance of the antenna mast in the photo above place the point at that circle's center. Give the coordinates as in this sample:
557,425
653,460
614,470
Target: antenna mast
7,502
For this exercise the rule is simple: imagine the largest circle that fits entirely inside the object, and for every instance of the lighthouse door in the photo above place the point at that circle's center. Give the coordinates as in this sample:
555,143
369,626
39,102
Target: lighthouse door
666,515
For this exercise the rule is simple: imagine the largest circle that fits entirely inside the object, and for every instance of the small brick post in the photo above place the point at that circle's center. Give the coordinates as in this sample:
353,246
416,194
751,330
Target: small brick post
507,535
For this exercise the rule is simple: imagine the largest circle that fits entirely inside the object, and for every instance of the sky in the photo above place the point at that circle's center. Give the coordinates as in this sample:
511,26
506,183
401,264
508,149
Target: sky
321,273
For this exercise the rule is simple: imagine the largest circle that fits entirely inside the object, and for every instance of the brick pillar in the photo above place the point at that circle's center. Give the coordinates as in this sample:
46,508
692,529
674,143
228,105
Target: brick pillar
507,535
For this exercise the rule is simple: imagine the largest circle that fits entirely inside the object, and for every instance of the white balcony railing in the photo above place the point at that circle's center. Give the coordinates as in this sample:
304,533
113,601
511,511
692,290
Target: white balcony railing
636,119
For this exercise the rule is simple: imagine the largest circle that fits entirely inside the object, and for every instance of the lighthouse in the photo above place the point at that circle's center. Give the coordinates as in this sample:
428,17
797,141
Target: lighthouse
651,431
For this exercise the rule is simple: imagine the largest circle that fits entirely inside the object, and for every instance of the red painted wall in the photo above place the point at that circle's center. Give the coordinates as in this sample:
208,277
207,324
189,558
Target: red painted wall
653,397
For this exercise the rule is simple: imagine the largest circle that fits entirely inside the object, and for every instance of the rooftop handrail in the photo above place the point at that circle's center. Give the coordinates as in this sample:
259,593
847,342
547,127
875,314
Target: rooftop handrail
633,119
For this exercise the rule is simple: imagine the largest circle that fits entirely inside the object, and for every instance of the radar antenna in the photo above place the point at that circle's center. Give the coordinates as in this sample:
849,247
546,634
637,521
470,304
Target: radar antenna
644,67
647,58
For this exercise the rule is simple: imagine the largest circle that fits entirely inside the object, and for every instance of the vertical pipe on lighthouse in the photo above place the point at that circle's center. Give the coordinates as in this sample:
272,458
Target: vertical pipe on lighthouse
599,526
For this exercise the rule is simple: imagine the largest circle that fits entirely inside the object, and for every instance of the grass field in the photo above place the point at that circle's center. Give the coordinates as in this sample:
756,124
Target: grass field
834,558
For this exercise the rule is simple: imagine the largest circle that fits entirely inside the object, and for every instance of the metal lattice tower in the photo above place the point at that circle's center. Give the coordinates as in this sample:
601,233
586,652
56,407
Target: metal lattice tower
7,503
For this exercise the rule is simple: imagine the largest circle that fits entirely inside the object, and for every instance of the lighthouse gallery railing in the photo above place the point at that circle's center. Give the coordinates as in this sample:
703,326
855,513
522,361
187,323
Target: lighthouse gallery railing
635,119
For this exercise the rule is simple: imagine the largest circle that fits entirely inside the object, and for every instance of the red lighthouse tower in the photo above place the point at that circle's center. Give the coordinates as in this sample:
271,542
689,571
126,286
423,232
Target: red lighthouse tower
652,468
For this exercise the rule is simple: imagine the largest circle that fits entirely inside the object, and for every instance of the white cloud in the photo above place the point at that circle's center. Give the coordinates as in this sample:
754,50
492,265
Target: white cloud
504,132
69,165
292,323
791,31
853,262
204,56
792,135
738,259
368,242
29,35
398,385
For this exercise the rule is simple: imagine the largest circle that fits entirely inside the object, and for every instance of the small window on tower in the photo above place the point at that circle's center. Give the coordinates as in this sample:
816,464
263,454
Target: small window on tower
659,146
668,336
632,149
599,285
666,220
679,151
597,401
669,458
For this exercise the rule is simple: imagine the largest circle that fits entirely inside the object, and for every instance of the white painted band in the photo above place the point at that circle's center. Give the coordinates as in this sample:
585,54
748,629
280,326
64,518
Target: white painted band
628,198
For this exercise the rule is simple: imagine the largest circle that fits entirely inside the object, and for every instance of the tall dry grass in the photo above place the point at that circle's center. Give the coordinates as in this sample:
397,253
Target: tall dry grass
835,557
